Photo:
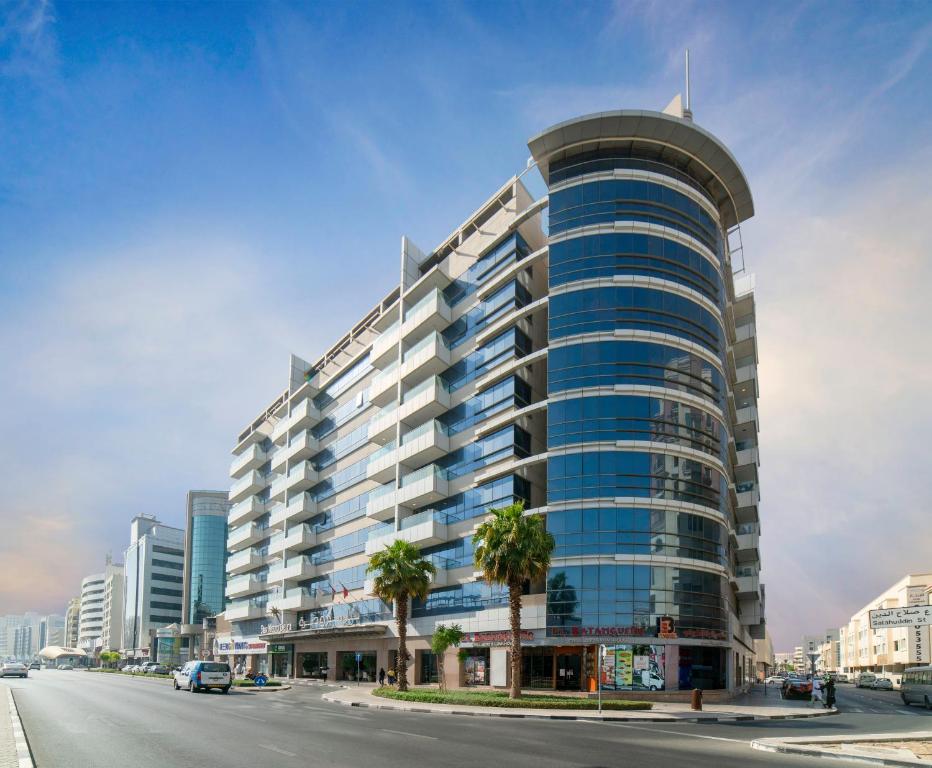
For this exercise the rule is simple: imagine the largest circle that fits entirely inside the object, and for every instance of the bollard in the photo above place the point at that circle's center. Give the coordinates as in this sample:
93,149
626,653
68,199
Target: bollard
697,699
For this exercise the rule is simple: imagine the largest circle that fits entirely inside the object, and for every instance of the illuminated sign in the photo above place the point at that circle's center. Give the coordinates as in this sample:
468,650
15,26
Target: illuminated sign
495,638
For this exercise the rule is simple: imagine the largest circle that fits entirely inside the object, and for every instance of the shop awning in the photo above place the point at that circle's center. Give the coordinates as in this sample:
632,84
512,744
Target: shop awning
53,652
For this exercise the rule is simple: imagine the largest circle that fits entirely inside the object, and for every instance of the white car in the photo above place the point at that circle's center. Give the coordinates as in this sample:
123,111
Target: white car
883,684
129,668
204,675
774,680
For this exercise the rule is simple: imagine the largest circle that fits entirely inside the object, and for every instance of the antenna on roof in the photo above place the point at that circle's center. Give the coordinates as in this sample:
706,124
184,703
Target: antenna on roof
687,110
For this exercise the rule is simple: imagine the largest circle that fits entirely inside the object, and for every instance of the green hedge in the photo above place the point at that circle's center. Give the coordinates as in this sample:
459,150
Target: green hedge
500,699
128,674
251,684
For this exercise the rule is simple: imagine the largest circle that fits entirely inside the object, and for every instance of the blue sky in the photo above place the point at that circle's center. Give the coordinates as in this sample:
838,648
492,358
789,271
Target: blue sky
189,192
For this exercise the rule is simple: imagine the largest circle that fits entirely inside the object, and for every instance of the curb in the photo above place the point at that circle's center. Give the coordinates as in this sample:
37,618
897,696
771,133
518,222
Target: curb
19,735
594,718
810,748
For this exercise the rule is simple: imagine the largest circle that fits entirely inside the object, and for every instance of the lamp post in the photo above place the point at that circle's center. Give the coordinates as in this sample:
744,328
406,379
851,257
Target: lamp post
598,674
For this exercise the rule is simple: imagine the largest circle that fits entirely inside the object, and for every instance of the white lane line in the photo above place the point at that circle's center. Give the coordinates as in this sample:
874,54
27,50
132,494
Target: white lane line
663,730
406,733
285,752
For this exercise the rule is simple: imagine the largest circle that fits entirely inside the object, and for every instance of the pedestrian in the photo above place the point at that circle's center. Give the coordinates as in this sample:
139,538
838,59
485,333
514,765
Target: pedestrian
391,676
381,676
816,691
830,693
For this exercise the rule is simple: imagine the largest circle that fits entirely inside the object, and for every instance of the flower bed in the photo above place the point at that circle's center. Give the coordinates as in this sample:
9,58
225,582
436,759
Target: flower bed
251,684
500,699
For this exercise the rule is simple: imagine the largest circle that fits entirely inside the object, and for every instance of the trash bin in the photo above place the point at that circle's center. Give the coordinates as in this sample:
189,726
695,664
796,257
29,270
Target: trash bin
697,699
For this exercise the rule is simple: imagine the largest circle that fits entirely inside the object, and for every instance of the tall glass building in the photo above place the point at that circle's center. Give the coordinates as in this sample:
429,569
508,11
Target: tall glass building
591,353
206,550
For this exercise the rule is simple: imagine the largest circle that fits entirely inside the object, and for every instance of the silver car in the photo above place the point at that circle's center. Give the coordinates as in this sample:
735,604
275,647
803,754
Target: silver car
883,684
14,669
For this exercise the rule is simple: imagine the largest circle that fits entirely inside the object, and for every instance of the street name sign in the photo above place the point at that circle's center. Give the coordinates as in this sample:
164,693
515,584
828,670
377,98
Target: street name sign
887,618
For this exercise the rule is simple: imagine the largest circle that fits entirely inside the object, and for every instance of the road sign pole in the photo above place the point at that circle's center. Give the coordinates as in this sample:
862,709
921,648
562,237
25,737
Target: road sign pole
598,673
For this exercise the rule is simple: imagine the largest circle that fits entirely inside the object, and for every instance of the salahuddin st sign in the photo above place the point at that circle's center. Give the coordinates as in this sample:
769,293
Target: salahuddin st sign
888,618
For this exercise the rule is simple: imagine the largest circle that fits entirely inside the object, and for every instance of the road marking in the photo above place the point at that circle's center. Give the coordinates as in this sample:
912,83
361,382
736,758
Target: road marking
663,730
279,751
406,733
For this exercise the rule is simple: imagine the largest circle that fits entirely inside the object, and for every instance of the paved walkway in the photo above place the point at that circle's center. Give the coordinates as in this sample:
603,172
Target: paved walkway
752,706
14,753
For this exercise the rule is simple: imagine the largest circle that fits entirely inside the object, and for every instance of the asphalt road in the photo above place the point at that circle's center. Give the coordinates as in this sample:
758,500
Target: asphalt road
85,720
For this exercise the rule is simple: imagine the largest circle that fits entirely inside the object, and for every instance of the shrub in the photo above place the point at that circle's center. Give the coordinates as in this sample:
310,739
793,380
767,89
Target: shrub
501,699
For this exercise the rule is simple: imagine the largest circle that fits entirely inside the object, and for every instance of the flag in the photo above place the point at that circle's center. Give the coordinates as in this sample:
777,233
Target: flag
333,592
345,591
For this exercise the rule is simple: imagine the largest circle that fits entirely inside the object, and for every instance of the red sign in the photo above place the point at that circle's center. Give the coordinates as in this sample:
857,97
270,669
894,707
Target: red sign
599,632
704,634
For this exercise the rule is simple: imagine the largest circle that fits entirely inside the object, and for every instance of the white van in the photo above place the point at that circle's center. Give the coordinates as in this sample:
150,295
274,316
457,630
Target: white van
866,680
203,675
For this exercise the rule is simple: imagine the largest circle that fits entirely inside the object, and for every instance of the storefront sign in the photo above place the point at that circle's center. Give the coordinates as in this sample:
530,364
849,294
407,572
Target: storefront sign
916,596
239,646
703,634
321,623
495,638
920,616
280,647
599,632
275,629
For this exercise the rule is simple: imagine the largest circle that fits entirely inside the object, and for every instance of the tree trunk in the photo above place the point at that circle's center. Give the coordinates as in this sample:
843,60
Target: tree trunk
402,621
514,604
440,676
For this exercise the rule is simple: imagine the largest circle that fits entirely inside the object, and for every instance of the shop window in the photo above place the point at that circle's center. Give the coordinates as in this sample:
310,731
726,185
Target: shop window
429,670
477,666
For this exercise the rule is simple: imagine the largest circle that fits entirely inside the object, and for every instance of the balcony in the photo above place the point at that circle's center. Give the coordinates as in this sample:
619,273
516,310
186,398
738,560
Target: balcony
301,446
301,508
245,511
244,536
244,611
426,443
381,504
382,426
425,401
252,483
295,568
277,516
428,357
244,585
748,499
747,583
305,414
246,560
301,477
431,313
423,530
385,346
296,599
746,454
427,484
748,546
298,537
383,386
252,458
279,488
746,414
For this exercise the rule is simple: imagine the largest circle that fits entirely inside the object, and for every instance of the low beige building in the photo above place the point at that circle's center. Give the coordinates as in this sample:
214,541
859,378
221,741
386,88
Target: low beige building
888,651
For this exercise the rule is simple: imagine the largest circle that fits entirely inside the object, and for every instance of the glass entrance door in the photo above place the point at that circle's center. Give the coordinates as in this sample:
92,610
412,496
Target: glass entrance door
568,671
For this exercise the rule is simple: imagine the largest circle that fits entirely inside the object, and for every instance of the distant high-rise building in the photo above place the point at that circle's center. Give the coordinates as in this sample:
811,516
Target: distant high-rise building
111,634
23,642
153,586
51,630
98,604
72,622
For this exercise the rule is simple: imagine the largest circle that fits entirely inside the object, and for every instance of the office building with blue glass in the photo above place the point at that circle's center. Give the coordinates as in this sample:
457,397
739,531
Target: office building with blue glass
591,352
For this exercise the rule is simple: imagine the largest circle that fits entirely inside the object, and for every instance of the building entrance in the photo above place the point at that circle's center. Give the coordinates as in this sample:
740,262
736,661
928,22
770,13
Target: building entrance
569,667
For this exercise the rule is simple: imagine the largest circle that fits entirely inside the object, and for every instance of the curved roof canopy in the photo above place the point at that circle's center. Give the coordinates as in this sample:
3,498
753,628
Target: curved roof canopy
58,651
653,135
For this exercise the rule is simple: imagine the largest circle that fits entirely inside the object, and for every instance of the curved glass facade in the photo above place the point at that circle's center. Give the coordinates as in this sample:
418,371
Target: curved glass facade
630,472
208,565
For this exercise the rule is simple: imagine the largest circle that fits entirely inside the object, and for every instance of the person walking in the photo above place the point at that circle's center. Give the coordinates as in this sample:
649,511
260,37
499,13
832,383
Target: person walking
816,691
391,676
830,693
381,676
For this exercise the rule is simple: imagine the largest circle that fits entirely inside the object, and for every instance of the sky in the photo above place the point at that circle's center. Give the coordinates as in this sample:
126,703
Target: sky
190,192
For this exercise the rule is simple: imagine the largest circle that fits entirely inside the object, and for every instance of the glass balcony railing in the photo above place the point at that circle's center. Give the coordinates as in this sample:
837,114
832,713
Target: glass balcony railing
377,493
745,487
431,470
424,386
423,517
422,344
383,451
434,295
384,375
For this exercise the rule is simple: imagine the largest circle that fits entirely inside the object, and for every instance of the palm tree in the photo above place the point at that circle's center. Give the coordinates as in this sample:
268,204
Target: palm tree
444,637
401,573
511,548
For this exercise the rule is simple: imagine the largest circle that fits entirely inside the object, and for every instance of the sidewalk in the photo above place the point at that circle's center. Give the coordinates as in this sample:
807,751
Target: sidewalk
748,707
14,752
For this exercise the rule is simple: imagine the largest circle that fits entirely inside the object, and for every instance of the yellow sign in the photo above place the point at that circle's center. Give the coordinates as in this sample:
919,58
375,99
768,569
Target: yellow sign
624,668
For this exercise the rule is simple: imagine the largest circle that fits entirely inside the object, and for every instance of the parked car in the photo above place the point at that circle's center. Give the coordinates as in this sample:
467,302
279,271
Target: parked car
204,675
883,684
866,680
35,665
129,668
841,677
147,666
66,665
774,680
14,669
156,669
796,688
